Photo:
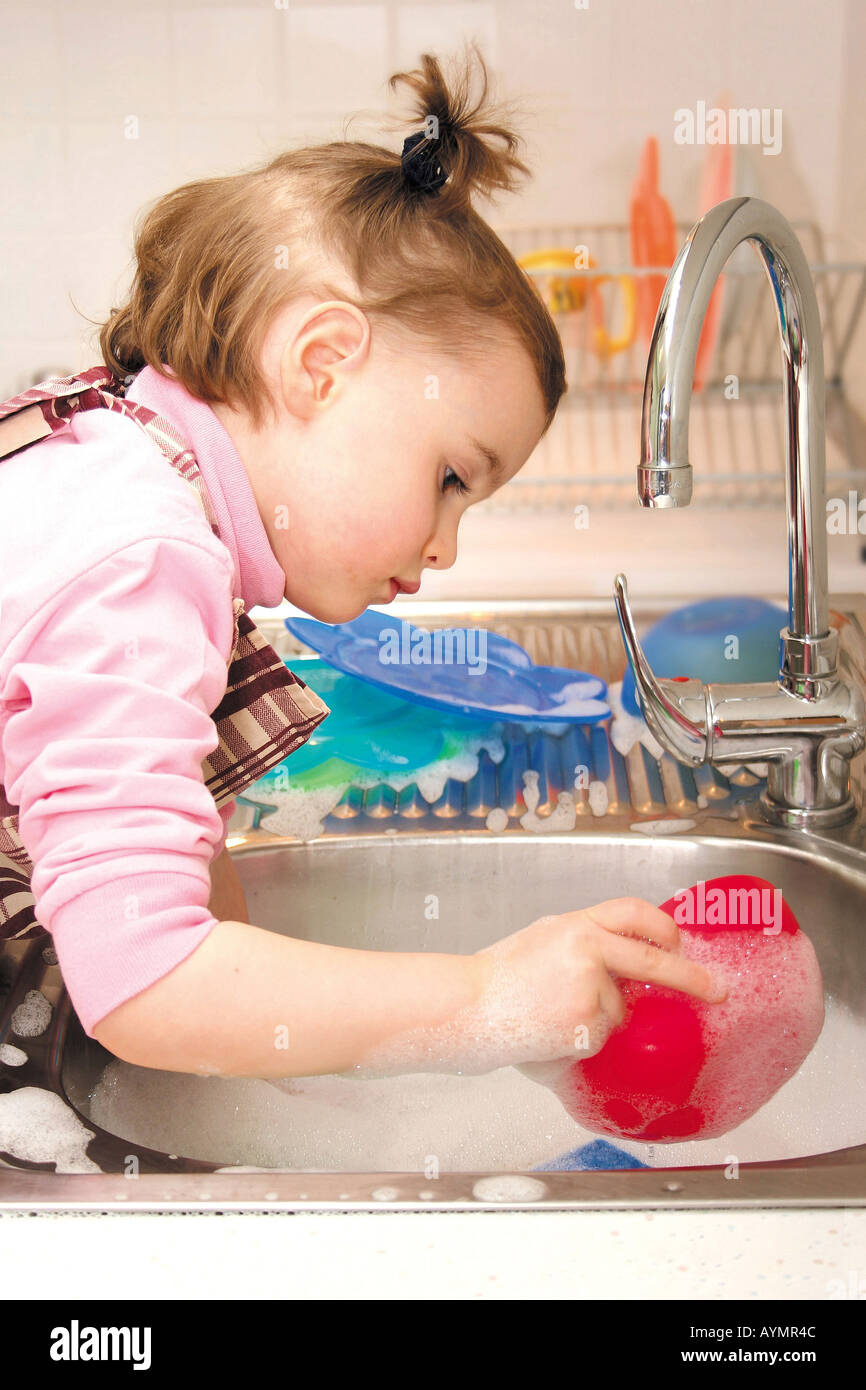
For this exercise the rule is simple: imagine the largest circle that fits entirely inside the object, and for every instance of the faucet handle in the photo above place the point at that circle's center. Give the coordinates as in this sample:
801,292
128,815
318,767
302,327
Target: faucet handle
676,711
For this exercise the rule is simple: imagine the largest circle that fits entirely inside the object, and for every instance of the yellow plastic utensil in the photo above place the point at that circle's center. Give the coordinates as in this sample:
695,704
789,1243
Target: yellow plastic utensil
568,294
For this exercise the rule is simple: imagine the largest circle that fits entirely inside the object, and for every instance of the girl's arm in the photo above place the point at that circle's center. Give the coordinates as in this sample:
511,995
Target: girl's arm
250,1002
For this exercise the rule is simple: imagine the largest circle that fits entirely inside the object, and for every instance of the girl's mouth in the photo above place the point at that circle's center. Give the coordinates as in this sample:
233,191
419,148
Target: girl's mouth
400,588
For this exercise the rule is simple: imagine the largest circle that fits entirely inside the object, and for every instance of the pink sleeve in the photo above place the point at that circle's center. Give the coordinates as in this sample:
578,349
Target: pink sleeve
108,704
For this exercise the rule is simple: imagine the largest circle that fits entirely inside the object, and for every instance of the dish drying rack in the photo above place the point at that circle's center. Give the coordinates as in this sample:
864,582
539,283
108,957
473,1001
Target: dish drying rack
590,452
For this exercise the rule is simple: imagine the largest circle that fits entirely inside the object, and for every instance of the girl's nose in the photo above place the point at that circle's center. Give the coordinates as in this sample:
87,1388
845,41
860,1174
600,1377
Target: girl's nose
442,554
443,547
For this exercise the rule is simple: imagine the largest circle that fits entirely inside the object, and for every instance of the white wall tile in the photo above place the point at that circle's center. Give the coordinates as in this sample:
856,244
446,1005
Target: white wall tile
33,289
111,177
441,29
212,146
336,57
226,60
115,60
32,60
98,273
32,158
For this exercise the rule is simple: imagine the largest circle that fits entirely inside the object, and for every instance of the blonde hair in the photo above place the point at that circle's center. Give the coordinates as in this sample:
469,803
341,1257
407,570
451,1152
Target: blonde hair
208,278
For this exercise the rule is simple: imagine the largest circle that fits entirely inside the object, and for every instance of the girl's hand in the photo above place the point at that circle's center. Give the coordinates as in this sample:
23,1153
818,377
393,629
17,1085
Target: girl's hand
549,990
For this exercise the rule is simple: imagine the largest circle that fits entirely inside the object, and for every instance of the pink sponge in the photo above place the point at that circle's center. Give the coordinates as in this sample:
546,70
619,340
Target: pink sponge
678,1068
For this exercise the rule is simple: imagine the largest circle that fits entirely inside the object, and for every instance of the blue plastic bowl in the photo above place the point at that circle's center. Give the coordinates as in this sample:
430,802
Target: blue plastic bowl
719,639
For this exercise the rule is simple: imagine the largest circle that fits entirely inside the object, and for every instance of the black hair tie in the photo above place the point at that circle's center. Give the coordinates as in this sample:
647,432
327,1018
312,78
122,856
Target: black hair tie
421,167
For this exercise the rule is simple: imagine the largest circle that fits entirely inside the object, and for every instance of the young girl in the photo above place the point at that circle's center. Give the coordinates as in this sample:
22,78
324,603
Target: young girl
337,357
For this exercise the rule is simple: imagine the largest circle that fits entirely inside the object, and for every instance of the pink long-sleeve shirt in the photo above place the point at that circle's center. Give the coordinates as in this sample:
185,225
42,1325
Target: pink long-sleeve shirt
116,629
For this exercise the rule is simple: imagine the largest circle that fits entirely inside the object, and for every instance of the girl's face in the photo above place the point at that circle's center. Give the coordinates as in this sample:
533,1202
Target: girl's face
379,449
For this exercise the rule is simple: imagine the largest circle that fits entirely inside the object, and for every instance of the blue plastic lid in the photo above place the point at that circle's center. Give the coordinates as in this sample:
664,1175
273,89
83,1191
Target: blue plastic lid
469,671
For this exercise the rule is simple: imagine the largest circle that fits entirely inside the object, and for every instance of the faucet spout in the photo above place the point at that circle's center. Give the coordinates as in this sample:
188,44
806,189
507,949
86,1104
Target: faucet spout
664,472
808,725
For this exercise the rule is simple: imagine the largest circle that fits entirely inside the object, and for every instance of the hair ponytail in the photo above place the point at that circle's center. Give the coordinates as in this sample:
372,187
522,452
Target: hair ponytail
458,131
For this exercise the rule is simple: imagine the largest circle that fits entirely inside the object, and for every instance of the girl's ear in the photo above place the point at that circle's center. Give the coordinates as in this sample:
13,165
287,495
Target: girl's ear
332,339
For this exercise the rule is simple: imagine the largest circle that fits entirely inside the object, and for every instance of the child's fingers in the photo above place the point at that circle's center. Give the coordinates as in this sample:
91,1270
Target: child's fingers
636,917
612,1001
638,960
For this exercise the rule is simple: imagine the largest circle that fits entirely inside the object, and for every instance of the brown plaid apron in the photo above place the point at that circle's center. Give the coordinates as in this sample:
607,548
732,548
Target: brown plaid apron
266,712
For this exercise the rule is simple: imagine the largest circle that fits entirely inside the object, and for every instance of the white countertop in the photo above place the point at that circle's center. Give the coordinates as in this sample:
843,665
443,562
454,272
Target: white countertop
705,1255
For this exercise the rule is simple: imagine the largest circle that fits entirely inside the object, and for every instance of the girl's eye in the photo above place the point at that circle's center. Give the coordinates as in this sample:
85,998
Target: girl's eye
452,479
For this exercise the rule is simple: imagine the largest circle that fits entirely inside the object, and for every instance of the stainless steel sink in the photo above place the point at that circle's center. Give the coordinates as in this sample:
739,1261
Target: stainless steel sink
363,882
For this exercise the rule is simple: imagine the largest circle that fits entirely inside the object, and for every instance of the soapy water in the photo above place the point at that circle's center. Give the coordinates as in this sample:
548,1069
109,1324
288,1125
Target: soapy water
429,1098
435,1122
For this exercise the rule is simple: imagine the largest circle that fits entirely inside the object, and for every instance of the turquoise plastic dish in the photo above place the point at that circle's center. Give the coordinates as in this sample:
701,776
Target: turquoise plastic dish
368,727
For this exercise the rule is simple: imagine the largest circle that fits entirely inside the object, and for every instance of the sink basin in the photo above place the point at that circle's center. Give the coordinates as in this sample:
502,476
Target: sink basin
437,1140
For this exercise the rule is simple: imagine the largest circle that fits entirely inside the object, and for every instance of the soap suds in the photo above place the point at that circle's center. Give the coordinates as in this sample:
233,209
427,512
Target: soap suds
672,825
499,1121
32,1016
563,816
37,1126
626,729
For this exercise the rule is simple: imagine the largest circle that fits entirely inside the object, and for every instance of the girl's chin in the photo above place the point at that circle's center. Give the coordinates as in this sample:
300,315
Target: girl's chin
325,613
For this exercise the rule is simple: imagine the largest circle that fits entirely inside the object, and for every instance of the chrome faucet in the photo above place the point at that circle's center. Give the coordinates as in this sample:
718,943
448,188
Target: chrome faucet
808,725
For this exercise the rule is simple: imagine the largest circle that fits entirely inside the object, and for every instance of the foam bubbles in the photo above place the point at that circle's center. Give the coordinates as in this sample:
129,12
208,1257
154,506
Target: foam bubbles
426,1124
671,825
510,1188
628,729
32,1016
501,1029
502,1120
39,1127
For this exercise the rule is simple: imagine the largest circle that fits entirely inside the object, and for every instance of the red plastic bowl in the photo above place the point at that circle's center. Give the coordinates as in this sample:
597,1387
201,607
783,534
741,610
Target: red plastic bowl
678,1068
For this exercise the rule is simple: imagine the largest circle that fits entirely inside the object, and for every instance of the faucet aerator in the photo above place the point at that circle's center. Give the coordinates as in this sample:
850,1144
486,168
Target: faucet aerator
664,484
